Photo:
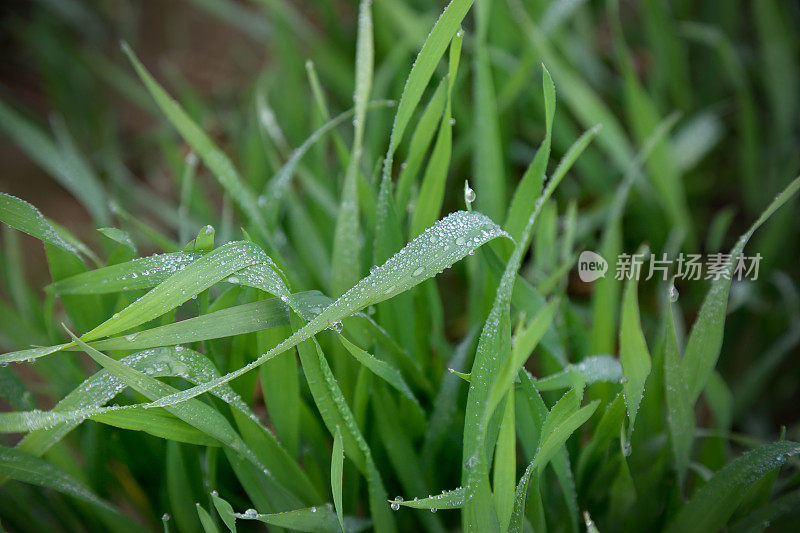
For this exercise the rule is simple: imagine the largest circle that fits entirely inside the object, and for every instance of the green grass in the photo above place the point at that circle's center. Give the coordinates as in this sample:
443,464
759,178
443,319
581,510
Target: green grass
320,328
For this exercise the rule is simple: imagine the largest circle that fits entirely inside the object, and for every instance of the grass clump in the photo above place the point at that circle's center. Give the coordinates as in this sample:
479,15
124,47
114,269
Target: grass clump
339,337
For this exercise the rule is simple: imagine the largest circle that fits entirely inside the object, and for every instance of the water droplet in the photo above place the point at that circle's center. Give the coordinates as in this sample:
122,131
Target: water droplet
673,294
452,121
214,493
434,239
623,380
165,517
233,279
313,509
251,513
373,269
396,503
131,337
336,326
460,241
627,449
433,509
469,193
418,271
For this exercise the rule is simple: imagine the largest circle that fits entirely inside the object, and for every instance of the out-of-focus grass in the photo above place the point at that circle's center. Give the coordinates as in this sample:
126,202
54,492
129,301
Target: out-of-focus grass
298,214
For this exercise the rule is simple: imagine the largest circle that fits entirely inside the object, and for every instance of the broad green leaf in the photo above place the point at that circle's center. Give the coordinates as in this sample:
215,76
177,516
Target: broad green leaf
633,352
705,340
441,245
712,505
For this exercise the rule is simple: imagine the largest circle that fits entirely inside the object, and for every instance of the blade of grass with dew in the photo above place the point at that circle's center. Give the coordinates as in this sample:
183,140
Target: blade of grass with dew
633,353
387,231
337,469
705,339
141,273
712,505
335,412
592,369
194,279
347,234
194,412
441,245
224,510
23,216
62,162
551,441
505,465
680,411
533,179
525,342
431,192
449,499
532,412
156,422
313,519
493,349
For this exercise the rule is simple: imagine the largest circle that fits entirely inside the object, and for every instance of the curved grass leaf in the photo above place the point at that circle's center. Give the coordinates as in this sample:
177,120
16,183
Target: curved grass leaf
195,278
380,368
27,468
592,369
633,352
347,237
337,471
705,339
713,504
450,499
441,245
680,407
23,216
313,519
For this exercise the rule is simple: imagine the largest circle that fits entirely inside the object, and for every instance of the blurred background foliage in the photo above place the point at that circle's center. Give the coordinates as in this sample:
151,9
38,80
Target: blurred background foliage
728,71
